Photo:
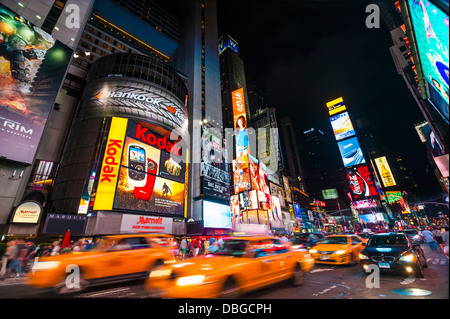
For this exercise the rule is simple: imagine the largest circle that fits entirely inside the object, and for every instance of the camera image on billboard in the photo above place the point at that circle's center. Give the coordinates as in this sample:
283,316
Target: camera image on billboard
351,152
137,165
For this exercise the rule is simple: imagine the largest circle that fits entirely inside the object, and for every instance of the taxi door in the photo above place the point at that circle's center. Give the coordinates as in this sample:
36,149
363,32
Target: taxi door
265,265
118,259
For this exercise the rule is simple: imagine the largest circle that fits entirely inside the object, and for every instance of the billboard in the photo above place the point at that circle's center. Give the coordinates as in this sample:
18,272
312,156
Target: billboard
216,215
365,203
277,191
362,183
216,180
385,171
145,224
330,193
241,174
351,152
342,126
395,197
32,66
140,171
431,31
240,122
336,106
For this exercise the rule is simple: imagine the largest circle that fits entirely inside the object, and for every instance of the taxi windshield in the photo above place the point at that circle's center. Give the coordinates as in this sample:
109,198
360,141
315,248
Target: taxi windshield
232,247
335,240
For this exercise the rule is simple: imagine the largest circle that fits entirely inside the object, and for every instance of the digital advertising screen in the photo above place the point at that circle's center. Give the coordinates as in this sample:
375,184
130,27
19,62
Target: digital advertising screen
362,184
216,215
150,176
342,126
430,25
385,171
330,193
351,152
241,174
336,106
240,122
32,66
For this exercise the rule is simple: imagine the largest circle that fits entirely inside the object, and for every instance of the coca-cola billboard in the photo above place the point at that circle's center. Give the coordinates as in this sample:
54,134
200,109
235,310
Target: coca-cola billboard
362,183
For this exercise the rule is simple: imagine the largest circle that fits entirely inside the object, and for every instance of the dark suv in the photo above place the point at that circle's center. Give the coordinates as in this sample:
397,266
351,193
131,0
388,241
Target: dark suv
393,252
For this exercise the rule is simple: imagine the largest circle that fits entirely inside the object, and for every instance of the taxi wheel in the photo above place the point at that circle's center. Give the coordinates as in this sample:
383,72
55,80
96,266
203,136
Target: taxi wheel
297,277
230,289
68,286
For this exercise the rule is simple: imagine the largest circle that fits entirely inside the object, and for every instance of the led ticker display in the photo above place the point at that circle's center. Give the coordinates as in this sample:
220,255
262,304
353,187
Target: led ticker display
342,126
385,171
431,31
351,152
336,106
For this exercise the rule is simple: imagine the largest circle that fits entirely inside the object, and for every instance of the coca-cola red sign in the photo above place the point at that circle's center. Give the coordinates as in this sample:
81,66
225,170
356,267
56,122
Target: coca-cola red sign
361,182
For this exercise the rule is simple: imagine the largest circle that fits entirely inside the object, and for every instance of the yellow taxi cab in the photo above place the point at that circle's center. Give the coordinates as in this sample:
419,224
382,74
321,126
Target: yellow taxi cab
242,264
114,258
338,250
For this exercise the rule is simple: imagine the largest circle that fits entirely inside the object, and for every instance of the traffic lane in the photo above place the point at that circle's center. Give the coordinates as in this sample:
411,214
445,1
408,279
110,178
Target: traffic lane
345,282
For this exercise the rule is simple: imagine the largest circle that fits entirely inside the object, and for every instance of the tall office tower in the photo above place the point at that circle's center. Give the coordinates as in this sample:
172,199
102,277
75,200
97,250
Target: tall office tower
290,146
198,58
232,78
46,34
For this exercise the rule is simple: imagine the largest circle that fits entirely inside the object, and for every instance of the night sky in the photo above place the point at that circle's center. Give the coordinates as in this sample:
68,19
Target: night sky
302,54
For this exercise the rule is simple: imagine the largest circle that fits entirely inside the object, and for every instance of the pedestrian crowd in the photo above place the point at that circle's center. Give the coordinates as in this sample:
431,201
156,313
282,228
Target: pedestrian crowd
435,237
19,255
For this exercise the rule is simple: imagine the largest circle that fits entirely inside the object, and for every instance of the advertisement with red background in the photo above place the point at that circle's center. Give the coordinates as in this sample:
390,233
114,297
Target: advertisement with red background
361,181
150,177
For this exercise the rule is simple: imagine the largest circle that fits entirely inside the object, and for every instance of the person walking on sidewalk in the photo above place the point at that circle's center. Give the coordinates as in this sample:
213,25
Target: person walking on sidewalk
428,236
445,240
437,235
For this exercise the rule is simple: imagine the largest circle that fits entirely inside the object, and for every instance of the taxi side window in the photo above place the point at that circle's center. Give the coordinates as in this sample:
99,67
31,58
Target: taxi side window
355,240
131,243
280,248
264,248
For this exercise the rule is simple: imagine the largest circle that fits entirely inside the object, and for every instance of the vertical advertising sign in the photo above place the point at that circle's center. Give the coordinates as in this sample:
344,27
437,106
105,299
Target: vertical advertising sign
32,67
385,171
106,188
240,122
361,183
336,106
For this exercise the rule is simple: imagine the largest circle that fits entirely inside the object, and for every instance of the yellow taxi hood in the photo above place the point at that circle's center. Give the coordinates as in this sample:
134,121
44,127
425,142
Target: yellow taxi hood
203,265
330,247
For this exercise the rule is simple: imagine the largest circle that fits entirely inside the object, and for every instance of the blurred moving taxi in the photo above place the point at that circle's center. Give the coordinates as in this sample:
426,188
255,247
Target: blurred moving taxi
115,258
338,250
243,264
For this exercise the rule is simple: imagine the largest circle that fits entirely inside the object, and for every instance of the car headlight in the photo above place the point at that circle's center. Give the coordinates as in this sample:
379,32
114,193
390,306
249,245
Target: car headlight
361,256
408,257
340,252
44,265
158,273
313,251
190,280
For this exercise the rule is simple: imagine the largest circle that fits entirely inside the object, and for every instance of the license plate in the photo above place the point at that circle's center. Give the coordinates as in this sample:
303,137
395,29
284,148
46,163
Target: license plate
384,265
324,258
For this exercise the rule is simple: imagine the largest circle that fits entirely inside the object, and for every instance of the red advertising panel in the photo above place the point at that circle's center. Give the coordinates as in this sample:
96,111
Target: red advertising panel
361,182
240,122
